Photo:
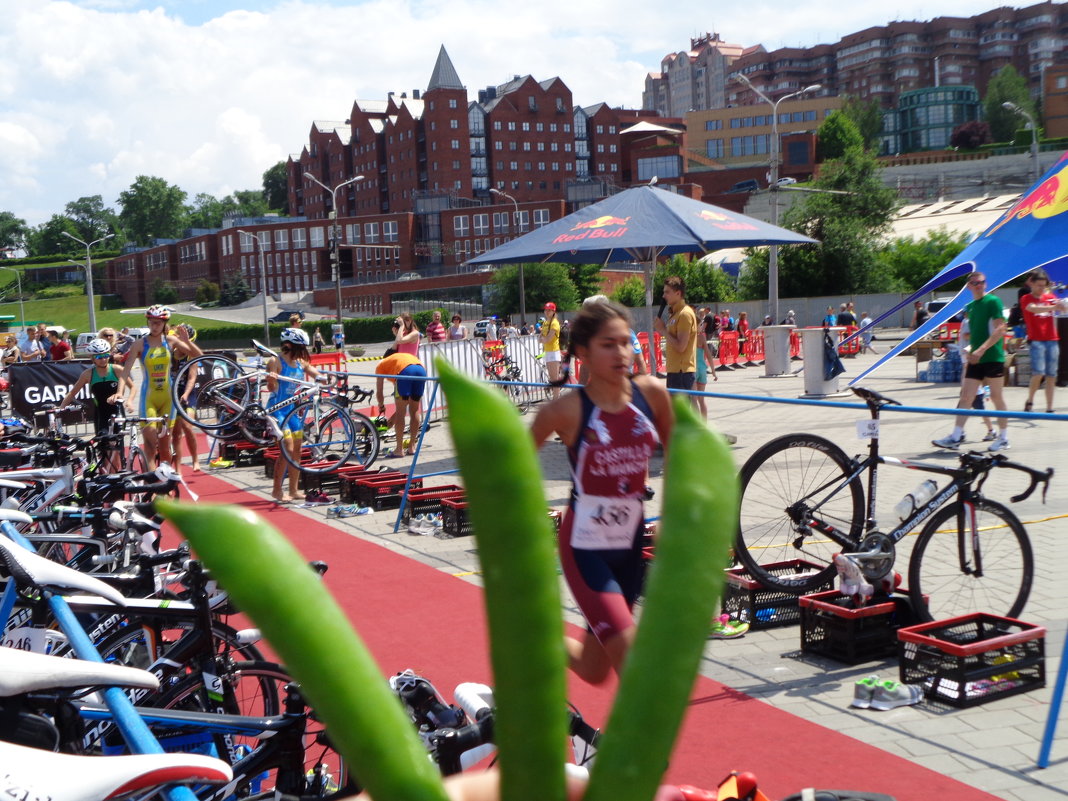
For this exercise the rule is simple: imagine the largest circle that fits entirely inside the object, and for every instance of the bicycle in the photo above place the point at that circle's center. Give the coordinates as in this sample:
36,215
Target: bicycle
504,372
803,499
227,396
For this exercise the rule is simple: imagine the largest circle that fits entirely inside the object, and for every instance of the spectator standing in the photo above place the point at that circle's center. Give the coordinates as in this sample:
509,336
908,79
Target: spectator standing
743,326
1060,317
491,329
12,354
550,343
457,330
790,318
317,340
845,316
435,331
60,351
726,321
986,361
31,348
919,315
829,318
866,337
1038,308
407,336
124,341
680,334
45,343
768,320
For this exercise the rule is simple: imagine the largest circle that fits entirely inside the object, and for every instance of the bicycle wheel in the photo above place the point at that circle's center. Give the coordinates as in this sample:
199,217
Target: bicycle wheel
788,483
221,392
365,437
137,461
329,437
258,689
518,394
971,558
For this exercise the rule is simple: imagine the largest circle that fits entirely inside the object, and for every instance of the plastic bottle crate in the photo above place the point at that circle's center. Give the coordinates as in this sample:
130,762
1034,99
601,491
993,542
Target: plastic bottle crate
242,451
330,483
969,660
745,598
427,500
832,627
455,523
383,491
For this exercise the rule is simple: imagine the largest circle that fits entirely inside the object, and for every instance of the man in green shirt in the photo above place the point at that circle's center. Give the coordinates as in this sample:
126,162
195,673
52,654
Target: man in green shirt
986,361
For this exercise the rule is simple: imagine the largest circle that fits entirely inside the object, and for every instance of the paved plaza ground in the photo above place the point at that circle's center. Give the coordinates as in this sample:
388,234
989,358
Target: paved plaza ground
993,746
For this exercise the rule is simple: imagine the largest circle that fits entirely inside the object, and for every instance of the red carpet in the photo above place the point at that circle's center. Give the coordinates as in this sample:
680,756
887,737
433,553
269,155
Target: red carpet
413,616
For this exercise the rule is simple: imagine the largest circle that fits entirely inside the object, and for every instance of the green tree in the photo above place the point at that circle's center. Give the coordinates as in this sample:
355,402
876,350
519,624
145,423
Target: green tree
163,292
207,211
910,263
849,228
586,278
207,292
541,282
91,218
705,283
47,238
151,208
235,289
13,231
836,135
630,293
276,187
1006,86
867,116
250,203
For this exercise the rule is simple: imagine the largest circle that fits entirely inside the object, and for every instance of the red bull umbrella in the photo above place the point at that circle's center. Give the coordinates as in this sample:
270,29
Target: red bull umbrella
642,224
1032,233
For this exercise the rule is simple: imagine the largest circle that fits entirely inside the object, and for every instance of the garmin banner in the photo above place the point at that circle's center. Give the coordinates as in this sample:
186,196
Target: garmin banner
34,384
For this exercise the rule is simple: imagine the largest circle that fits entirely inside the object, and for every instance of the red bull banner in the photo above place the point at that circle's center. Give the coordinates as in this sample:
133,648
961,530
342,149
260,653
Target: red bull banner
606,226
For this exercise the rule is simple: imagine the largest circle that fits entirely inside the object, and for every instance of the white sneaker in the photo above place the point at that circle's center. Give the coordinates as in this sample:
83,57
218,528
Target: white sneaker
892,694
1000,444
951,442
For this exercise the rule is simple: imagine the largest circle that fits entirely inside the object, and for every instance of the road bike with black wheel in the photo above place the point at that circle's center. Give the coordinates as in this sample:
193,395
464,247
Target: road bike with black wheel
803,502
227,396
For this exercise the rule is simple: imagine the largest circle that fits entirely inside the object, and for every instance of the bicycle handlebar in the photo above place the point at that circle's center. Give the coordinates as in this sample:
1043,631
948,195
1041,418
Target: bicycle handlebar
986,461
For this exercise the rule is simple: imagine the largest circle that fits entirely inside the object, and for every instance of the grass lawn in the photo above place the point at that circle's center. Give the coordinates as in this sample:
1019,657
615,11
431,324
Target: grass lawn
73,313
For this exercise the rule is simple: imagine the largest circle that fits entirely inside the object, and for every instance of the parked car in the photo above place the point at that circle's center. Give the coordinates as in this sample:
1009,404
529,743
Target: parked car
284,315
748,185
482,325
409,277
786,181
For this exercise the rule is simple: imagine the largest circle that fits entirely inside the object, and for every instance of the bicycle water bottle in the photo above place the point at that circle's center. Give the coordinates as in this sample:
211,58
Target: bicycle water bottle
472,698
915,499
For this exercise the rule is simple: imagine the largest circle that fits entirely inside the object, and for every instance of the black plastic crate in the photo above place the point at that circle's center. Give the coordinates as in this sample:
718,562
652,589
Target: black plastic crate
330,482
454,522
383,492
746,599
427,500
832,627
969,660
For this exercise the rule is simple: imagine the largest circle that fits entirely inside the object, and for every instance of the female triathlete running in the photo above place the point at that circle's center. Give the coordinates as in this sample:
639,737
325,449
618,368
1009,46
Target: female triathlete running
103,381
294,363
611,428
154,353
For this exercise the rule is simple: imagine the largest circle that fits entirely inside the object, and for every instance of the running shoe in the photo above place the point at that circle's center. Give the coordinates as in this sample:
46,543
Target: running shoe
891,694
863,691
723,628
1000,444
990,436
950,442
315,497
219,463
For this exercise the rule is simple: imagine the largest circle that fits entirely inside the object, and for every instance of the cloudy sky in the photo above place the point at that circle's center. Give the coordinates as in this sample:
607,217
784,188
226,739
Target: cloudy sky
209,93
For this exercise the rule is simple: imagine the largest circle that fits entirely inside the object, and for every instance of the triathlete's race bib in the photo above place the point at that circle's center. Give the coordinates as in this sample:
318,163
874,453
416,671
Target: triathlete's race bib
605,523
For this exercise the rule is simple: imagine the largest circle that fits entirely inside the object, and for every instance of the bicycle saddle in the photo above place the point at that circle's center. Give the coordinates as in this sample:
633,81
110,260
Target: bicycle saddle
262,349
26,672
870,396
34,773
29,569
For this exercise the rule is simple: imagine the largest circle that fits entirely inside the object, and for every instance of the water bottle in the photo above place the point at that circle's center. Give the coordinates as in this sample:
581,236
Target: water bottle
915,499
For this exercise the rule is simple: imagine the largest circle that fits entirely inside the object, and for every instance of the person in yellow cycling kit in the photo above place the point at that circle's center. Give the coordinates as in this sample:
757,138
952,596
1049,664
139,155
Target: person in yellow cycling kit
154,354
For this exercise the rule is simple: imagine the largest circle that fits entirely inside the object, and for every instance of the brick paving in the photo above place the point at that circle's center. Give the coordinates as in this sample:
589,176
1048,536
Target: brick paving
993,746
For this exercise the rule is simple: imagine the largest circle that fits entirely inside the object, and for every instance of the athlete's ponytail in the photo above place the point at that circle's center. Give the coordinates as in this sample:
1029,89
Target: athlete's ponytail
595,312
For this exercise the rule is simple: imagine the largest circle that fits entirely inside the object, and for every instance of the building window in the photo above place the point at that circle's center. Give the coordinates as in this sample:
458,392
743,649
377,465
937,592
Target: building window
541,217
370,233
452,102
299,238
526,126
460,225
317,240
714,148
500,221
389,231
660,166
455,144
480,224
454,124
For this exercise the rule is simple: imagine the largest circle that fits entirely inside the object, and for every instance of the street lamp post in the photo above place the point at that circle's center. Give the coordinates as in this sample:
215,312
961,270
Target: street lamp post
773,186
522,287
263,284
336,232
89,272
1035,171
18,278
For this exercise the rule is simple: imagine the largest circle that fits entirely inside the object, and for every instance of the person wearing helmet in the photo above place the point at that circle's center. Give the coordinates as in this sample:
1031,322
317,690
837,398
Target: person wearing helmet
104,384
550,341
181,428
155,354
294,364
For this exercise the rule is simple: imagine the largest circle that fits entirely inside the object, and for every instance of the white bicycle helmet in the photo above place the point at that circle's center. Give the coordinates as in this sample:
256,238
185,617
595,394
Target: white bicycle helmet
297,336
98,347
158,312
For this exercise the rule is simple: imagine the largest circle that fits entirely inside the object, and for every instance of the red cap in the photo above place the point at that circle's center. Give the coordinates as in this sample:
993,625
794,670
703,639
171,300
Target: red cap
550,306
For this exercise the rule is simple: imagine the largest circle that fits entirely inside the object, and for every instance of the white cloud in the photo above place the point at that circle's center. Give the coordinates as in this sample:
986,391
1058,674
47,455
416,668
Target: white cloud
210,94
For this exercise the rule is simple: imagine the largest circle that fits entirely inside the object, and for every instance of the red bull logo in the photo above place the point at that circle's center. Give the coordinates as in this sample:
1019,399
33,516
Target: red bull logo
600,222
723,221
606,226
1048,199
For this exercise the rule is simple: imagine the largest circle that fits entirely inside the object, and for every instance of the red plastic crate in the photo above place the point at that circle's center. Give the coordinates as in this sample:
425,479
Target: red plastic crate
831,627
745,598
383,492
969,660
427,500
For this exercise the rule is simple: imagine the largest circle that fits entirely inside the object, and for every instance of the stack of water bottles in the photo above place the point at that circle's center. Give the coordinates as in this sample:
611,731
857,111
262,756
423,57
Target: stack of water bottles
942,371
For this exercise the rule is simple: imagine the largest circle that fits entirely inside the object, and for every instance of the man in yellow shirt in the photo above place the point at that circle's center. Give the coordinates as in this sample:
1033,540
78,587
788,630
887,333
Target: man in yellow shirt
680,336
